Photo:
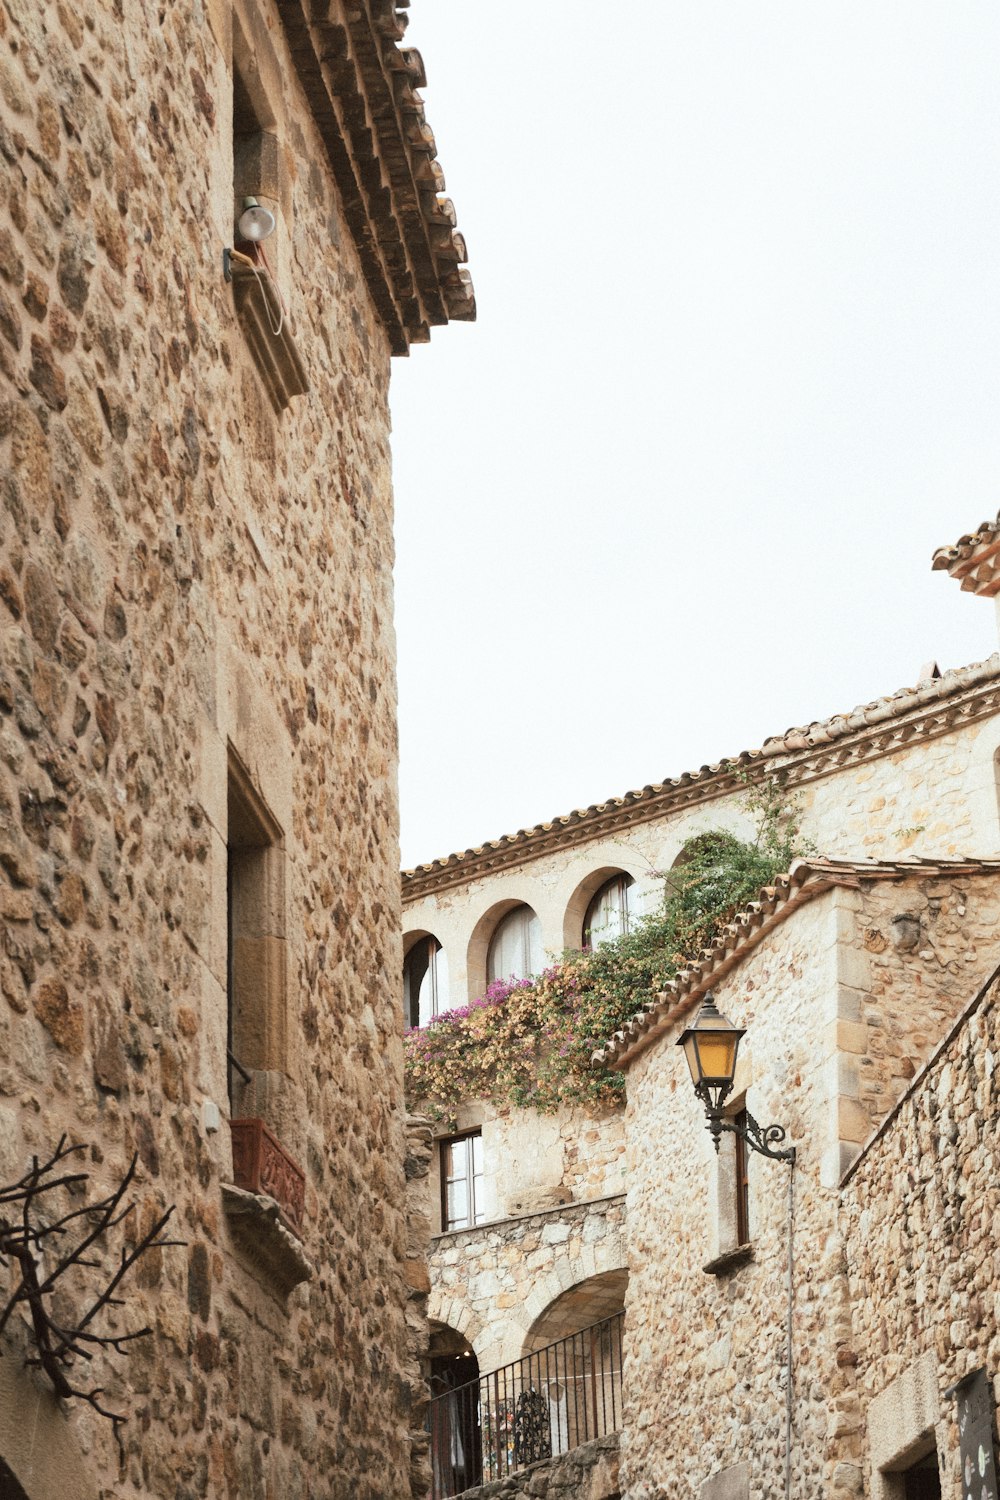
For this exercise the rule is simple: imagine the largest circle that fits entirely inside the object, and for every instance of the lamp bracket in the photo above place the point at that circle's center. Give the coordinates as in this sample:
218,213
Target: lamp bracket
764,1139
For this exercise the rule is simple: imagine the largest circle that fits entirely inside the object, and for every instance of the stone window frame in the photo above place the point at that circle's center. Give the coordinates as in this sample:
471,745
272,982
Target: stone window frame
732,1222
257,1037
620,881
262,277
259,168
529,934
436,968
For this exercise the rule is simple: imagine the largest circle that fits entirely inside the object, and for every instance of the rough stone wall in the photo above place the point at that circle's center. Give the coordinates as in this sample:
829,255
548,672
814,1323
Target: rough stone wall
912,977
589,1472
182,571
920,1220
419,1150
837,1020
843,1005
696,1342
492,1283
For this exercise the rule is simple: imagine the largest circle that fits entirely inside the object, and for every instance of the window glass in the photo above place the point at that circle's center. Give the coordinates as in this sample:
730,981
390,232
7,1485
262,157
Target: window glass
611,912
516,947
425,982
462,1196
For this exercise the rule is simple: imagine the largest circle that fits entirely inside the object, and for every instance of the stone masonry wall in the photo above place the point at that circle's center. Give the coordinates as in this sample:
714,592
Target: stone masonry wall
589,1472
534,1161
696,1342
836,1020
419,1150
919,950
184,573
920,1220
492,1283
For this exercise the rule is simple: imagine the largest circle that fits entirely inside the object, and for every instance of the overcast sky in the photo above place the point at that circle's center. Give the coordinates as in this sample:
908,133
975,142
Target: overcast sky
736,374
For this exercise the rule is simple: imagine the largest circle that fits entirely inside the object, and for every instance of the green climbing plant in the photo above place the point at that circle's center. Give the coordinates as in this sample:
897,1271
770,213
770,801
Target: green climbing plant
530,1042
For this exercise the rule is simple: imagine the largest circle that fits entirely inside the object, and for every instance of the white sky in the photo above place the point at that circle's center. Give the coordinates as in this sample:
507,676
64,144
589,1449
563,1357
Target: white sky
736,374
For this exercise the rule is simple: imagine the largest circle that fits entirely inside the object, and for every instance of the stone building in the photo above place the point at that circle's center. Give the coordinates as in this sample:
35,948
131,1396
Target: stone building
918,1237
846,977
198,825
912,773
852,970
853,977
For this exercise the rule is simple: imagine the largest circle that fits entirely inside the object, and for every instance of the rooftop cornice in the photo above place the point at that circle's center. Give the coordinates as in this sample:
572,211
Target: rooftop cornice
806,879
974,560
362,89
805,754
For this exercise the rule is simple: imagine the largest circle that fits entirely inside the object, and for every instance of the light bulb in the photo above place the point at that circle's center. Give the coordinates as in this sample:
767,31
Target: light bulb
256,222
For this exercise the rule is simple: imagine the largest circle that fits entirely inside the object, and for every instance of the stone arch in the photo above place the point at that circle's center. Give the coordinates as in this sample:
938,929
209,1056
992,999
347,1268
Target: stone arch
578,1307
601,1258
576,907
442,1307
479,942
419,1002
413,935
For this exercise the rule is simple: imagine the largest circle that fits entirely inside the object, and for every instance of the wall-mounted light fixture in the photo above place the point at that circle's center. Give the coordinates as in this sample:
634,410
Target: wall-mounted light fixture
256,221
711,1046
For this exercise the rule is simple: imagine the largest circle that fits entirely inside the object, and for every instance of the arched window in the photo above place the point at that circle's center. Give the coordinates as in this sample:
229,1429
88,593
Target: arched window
425,981
611,911
516,946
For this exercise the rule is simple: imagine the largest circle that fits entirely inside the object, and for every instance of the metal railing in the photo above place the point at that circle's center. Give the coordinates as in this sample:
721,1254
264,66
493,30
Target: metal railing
562,1395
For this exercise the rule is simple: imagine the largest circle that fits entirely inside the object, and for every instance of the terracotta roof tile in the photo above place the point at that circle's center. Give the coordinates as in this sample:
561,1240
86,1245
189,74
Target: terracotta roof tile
932,707
806,879
974,560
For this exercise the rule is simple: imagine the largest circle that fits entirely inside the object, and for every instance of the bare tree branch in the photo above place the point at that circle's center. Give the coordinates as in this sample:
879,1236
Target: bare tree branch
25,1237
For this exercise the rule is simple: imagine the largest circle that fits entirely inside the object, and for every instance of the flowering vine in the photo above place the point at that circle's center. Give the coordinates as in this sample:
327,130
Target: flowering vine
529,1042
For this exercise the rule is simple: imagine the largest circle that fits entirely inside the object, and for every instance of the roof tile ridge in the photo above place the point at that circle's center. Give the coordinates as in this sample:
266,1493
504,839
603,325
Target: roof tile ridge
985,531
800,738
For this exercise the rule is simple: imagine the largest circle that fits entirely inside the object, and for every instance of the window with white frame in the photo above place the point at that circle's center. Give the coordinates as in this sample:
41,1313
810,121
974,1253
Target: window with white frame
425,981
462,1197
516,946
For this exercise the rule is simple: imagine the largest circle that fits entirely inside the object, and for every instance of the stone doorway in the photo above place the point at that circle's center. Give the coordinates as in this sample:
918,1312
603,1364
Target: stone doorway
922,1480
9,1487
456,1436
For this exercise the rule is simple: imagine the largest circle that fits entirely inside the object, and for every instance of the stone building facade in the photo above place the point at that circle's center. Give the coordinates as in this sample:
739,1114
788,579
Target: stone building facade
198,824
845,981
915,773
918,1226
847,975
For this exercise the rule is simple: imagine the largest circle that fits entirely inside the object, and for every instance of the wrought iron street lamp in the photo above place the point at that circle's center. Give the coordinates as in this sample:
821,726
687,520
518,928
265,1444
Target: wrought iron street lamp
711,1046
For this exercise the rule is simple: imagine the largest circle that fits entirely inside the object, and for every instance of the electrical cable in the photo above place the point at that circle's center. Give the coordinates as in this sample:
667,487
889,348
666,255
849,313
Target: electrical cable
788,1345
247,261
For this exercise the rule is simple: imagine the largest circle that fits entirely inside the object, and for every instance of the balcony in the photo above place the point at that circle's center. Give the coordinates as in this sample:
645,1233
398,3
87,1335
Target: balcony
547,1404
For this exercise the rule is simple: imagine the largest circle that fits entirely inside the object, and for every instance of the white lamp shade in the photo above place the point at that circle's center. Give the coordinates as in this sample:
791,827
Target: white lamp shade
256,222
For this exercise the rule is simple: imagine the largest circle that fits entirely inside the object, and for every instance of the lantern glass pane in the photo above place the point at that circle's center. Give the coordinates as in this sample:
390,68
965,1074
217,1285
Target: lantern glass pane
718,1054
690,1043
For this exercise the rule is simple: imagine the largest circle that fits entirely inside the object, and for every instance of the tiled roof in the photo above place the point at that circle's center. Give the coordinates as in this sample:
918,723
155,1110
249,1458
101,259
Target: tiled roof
933,707
806,879
362,89
974,560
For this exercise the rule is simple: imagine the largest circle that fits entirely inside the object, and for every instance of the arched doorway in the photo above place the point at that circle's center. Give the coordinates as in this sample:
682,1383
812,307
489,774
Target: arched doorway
456,1438
579,1307
573,1352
